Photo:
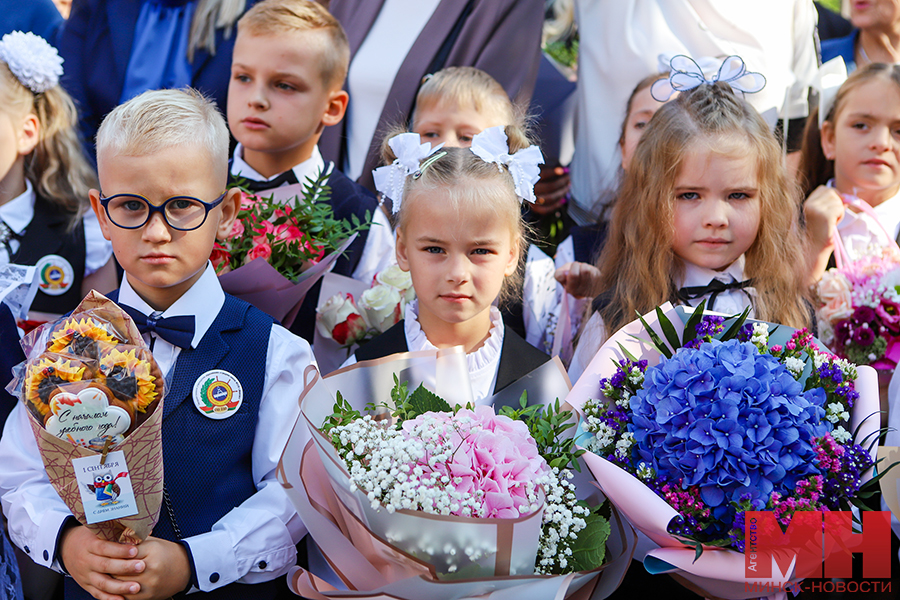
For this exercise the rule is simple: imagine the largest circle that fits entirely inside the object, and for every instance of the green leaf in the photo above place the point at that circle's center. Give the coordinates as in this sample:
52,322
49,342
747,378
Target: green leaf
423,400
654,337
736,326
589,549
627,354
690,328
668,329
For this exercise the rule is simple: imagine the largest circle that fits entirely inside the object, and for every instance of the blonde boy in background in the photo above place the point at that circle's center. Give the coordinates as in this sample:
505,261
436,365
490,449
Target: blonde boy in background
287,75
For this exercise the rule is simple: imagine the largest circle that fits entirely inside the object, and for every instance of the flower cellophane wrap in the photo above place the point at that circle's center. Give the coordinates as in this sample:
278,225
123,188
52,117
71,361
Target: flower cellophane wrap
142,447
718,572
352,538
259,284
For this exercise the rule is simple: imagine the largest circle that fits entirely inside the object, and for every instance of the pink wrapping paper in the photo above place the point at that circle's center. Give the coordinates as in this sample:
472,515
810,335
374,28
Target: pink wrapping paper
718,572
261,285
374,569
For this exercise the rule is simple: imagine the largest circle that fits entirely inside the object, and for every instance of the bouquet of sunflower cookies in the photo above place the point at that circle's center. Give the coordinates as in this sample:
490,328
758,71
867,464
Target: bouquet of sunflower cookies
94,396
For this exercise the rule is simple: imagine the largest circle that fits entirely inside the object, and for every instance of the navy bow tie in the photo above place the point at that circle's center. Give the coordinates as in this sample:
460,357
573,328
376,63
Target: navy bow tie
712,289
286,178
178,331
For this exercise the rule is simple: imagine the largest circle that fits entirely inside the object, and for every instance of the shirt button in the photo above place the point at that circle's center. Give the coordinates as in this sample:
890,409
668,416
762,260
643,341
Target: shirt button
27,550
214,578
262,565
46,555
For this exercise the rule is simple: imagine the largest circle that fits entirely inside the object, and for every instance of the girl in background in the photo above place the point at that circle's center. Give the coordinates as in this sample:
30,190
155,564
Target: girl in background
44,180
706,211
852,152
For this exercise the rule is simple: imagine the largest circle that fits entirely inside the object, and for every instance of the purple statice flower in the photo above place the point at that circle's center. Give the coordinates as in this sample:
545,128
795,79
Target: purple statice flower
745,332
842,467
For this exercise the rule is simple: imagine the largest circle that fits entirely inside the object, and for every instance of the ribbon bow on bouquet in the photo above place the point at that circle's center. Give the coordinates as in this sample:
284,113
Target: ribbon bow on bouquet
491,146
686,74
390,179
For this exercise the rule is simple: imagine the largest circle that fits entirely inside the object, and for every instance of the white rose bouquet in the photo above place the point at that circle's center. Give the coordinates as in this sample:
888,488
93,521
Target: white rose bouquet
350,319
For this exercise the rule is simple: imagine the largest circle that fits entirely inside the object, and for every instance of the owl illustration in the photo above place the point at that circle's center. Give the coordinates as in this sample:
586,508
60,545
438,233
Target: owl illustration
105,488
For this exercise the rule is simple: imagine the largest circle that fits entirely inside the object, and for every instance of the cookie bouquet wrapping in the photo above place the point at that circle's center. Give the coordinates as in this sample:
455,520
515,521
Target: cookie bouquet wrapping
94,397
693,419
409,496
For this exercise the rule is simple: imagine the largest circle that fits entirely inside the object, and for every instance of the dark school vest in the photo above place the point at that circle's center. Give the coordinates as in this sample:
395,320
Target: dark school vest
517,357
347,198
207,463
48,233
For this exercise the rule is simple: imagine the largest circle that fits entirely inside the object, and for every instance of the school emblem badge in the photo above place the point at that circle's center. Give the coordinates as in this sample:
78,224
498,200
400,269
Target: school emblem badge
55,275
217,394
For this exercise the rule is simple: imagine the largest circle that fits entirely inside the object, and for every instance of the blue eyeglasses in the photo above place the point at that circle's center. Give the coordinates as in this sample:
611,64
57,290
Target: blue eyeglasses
132,211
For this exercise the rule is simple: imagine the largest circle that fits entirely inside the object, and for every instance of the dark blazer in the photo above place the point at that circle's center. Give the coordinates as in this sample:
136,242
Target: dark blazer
10,355
96,44
517,357
501,37
37,16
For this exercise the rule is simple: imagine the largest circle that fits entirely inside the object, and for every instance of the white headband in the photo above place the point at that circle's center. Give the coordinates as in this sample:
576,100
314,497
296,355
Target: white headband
35,63
490,146
686,74
828,80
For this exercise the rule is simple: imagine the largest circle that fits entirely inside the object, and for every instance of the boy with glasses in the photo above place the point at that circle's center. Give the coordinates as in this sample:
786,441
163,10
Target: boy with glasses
226,521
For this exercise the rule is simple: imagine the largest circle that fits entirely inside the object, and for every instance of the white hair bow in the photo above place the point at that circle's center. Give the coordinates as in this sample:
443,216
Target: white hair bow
828,80
686,74
491,146
391,179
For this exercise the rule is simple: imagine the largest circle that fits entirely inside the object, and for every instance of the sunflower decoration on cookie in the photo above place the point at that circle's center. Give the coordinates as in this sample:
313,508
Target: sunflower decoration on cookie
82,337
132,376
44,377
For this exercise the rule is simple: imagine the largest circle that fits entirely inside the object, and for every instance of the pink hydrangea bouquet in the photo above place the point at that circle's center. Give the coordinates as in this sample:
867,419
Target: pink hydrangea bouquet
413,498
350,321
859,309
688,432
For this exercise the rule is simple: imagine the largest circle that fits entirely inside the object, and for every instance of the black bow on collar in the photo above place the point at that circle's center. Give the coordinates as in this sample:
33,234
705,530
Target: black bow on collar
712,289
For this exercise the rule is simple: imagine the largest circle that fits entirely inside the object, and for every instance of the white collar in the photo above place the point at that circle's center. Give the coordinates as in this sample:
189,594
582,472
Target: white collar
487,355
18,212
203,301
308,169
698,276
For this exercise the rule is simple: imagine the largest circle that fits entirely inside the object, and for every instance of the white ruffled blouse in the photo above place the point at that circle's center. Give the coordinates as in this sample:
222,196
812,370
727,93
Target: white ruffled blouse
483,363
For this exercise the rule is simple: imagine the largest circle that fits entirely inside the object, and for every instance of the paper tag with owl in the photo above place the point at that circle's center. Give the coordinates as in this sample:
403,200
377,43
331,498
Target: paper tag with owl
106,491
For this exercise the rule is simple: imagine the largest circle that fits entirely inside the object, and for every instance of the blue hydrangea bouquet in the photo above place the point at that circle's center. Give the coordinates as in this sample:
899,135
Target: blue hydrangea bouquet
691,419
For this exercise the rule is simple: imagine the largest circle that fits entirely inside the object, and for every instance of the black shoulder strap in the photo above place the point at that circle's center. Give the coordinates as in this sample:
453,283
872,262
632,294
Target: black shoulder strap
517,359
390,342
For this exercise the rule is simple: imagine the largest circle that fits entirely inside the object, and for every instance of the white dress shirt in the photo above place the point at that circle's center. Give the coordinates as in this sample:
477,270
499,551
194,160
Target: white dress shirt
729,302
263,530
483,363
18,213
378,252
